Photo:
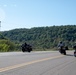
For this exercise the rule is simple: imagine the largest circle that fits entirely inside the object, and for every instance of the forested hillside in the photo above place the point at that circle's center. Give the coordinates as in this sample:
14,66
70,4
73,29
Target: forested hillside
43,37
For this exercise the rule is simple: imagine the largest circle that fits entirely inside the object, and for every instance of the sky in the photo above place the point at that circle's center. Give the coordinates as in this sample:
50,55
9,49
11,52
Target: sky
36,13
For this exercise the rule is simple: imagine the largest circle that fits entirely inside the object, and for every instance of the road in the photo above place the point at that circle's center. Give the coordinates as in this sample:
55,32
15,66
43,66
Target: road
37,63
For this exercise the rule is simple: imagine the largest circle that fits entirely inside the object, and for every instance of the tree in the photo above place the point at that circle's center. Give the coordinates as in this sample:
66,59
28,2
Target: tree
6,45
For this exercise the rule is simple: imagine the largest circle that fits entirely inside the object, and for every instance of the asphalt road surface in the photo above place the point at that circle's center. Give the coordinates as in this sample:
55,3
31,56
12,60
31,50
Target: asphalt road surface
37,63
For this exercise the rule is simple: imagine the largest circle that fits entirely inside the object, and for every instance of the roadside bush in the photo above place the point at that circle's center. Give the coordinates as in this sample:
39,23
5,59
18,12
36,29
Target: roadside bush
6,45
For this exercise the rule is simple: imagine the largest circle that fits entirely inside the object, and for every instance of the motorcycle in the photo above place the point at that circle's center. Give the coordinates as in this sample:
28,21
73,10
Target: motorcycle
26,48
75,53
74,47
62,50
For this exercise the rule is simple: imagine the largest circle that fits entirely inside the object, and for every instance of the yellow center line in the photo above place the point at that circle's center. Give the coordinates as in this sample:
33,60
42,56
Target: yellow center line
28,63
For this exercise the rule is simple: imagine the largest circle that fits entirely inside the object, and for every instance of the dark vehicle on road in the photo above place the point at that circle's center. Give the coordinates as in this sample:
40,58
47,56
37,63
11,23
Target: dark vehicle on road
62,50
74,47
26,47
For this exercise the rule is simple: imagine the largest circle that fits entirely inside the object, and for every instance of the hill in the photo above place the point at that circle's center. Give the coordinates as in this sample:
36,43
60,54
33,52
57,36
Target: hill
43,37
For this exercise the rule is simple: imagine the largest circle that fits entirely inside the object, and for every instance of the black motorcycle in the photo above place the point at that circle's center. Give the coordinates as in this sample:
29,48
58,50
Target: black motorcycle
75,53
27,48
62,50
74,47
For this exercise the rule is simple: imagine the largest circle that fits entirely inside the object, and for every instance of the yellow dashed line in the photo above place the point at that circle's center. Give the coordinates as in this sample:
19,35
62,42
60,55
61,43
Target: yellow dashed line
28,63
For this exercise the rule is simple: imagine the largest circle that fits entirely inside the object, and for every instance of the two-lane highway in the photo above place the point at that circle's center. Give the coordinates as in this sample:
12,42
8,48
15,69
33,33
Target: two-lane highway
37,63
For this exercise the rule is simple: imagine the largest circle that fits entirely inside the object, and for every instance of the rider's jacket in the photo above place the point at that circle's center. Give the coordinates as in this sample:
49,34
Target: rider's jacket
60,45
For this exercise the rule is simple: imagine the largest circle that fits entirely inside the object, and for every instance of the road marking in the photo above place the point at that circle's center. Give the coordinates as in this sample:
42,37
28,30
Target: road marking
28,63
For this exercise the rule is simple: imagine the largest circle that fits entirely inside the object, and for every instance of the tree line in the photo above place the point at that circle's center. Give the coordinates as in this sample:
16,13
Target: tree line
42,38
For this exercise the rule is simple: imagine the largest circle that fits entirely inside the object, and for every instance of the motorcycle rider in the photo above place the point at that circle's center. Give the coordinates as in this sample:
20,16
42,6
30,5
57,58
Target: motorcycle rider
61,46
74,47
26,47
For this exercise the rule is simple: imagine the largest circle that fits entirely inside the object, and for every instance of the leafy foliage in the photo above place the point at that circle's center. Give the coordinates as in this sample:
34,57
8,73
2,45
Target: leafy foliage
43,37
6,45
